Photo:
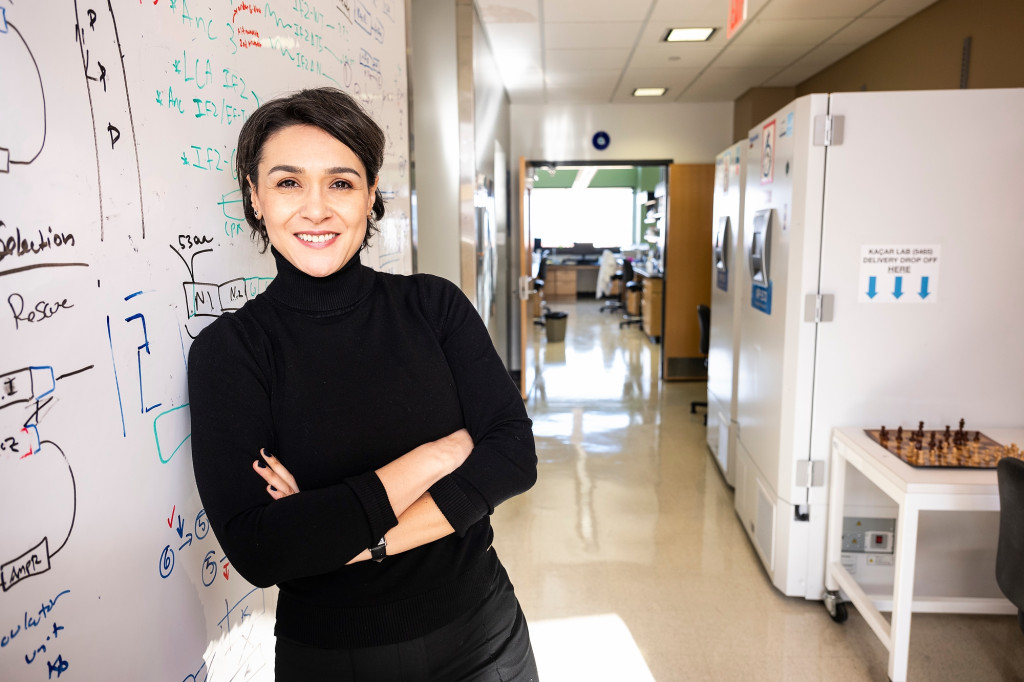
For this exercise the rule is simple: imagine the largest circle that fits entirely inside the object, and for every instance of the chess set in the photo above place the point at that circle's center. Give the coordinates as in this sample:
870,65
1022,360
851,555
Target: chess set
960,449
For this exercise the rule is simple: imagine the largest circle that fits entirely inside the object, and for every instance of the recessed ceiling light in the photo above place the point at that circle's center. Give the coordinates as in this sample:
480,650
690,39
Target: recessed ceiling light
649,92
689,35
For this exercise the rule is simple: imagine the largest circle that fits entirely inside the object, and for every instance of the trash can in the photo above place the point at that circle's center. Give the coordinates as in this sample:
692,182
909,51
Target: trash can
554,325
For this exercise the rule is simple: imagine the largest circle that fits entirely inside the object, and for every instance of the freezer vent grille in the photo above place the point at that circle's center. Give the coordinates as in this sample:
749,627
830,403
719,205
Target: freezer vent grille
764,531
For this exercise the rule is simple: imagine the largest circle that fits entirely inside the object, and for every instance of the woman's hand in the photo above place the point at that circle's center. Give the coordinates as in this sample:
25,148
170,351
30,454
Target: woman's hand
280,482
455,448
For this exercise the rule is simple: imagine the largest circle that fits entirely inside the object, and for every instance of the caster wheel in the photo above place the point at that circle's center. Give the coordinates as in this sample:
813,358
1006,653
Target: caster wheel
836,609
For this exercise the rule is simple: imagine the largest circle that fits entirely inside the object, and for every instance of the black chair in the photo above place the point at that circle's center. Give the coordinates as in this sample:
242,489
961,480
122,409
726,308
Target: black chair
704,317
630,288
1010,551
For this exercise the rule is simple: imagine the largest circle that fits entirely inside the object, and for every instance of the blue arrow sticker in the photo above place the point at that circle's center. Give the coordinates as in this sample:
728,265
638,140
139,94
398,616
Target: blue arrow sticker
924,288
898,292
872,287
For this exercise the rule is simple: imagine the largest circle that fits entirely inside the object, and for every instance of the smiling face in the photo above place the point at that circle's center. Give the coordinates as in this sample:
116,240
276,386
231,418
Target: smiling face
313,194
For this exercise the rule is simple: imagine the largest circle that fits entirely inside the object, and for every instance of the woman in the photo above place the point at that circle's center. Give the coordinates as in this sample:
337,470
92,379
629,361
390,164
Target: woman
353,430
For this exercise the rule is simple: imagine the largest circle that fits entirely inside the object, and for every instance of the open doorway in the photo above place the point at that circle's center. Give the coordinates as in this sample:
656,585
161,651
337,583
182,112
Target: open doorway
576,215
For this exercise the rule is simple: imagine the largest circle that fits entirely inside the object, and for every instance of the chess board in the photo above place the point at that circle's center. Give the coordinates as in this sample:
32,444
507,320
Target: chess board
924,448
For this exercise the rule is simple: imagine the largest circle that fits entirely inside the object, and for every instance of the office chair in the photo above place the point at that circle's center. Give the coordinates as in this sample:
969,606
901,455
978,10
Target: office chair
1010,550
704,317
629,287
613,304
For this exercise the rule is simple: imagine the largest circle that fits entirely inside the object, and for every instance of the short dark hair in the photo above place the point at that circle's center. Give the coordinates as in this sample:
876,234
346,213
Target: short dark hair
336,113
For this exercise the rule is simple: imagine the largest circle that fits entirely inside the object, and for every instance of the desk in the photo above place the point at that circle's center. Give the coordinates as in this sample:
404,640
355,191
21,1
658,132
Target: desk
563,281
914,490
650,302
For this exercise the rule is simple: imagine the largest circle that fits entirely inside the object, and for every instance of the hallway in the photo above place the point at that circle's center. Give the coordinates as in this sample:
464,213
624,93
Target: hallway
630,563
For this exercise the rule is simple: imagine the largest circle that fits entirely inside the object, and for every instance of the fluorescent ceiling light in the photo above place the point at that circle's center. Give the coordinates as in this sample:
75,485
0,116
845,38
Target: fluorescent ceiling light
689,35
649,92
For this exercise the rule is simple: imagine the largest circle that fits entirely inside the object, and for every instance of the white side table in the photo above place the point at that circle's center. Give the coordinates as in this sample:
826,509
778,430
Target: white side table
914,490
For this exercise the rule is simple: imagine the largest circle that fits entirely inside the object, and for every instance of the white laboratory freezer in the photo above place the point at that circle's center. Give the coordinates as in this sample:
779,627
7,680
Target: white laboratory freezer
726,301
881,269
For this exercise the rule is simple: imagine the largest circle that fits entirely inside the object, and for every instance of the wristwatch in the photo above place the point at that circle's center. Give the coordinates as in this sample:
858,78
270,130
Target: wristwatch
380,551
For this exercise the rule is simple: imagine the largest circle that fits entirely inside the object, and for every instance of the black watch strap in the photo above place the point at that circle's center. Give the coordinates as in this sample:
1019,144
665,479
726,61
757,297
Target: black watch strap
380,551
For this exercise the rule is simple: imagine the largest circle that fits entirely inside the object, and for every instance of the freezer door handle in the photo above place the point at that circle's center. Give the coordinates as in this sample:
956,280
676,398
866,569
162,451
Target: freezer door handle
721,244
760,256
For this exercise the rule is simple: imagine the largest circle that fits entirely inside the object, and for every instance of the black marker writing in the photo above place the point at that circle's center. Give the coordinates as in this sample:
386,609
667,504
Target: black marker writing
19,246
41,311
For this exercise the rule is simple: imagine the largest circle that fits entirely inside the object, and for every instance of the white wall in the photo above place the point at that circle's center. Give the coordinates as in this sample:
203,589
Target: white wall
684,133
435,140
491,126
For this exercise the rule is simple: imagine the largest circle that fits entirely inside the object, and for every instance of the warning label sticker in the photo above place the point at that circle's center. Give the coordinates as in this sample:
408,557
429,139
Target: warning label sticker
899,273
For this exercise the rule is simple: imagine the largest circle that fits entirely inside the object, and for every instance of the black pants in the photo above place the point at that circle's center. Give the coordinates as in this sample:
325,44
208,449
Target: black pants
489,643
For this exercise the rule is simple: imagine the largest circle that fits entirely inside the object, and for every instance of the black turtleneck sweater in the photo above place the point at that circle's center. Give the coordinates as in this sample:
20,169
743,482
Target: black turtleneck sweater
337,376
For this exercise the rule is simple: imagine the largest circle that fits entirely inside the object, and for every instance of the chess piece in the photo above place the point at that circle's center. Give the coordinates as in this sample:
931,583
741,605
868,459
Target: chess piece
977,436
920,430
883,434
947,435
931,443
899,434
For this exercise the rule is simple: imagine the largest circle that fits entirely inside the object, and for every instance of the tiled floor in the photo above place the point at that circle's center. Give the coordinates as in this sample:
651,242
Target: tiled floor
631,565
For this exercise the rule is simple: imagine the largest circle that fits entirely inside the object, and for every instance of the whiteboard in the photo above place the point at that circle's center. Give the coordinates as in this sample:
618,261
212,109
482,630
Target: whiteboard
121,237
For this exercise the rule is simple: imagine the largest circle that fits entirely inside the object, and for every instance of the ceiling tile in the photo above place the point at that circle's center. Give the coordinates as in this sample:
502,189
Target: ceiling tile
586,60
760,55
594,10
675,80
588,42
583,79
692,12
672,56
656,78
508,11
899,8
590,35
790,31
718,84
815,9
655,32
864,30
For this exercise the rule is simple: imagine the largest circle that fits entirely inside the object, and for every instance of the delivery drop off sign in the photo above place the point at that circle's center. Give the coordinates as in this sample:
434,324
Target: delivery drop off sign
899,273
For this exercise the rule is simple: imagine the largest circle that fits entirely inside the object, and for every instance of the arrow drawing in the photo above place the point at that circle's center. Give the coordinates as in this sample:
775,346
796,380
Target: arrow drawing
924,288
899,288
872,292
